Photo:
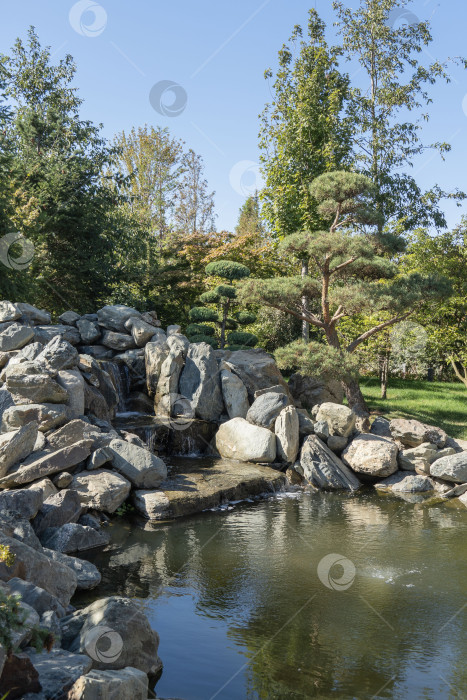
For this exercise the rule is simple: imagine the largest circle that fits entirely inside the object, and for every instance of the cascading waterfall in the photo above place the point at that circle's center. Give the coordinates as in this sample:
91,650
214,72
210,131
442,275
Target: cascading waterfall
120,375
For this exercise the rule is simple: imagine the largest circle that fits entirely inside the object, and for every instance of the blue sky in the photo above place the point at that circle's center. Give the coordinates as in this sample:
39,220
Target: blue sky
218,52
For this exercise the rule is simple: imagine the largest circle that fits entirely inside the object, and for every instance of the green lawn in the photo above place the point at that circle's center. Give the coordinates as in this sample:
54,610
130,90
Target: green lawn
436,403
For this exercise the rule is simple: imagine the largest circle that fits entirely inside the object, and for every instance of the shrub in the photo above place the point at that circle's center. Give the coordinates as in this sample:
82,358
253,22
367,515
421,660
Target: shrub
242,338
199,329
201,313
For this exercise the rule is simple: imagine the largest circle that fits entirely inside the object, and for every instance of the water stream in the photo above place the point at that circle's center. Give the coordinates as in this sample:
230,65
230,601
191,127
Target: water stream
245,607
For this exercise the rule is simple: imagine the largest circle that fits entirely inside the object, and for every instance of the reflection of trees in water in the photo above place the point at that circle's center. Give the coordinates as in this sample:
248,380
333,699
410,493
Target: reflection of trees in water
256,567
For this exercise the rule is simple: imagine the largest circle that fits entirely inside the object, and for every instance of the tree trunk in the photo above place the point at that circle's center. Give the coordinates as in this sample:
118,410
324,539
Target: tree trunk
305,324
225,313
357,403
384,374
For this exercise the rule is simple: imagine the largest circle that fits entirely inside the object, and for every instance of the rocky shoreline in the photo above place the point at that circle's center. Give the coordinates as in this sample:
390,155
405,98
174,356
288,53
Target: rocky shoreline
90,407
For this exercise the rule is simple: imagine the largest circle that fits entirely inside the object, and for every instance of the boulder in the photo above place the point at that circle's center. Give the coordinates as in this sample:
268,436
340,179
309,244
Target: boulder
87,575
322,469
39,599
380,426
286,429
174,329
9,311
69,318
29,384
305,423
33,566
73,537
126,684
22,530
29,352
371,455
19,677
451,468
118,341
98,458
412,433
15,337
95,403
74,431
257,369
98,352
239,439
265,409
418,458
33,315
151,318
58,354
114,317
89,331
44,334
17,445
336,443
155,353
167,385
73,383
134,360
62,480
27,502
143,469
321,429
102,490
58,670
44,486
309,391
21,637
234,393
153,505
406,483
49,463
47,415
59,509
340,419
141,331
457,444
136,644
200,382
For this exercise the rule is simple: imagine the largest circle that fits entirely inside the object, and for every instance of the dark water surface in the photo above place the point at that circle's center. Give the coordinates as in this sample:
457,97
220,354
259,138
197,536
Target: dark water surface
245,609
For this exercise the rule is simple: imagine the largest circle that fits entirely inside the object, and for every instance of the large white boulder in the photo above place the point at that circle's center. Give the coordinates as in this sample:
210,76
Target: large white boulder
287,434
371,455
239,439
340,419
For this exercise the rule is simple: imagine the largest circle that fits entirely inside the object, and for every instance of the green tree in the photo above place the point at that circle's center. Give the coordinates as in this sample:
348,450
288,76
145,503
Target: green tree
388,107
350,274
194,204
224,298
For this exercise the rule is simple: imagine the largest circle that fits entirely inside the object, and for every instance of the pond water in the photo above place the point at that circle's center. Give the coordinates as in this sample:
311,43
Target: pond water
249,603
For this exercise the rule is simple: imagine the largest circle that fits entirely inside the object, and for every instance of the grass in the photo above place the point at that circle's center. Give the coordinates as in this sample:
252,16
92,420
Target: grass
437,403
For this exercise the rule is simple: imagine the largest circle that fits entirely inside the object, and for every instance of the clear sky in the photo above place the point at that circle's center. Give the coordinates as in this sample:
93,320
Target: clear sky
217,52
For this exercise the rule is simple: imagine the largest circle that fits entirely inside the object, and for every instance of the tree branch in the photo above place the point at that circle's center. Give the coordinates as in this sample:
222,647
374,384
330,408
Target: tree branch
310,318
342,265
463,379
355,343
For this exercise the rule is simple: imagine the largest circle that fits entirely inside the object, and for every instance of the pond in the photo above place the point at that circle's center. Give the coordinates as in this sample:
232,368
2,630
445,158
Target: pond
302,596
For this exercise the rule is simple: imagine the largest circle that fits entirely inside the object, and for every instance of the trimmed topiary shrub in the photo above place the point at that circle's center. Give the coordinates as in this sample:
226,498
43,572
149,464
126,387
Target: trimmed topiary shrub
242,338
228,269
202,313
199,329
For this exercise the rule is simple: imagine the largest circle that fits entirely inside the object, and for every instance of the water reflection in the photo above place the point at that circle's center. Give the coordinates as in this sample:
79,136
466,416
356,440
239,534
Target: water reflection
242,613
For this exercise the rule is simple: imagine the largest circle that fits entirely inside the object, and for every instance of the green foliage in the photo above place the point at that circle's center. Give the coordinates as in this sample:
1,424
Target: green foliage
211,297
241,338
228,269
199,329
231,324
200,313
124,509
201,338
224,290
245,318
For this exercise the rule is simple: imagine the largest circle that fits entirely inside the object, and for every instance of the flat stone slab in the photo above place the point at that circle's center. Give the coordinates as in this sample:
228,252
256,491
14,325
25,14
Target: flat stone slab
206,484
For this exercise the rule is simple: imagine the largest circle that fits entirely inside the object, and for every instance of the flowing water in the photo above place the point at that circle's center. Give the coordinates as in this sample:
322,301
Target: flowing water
249,604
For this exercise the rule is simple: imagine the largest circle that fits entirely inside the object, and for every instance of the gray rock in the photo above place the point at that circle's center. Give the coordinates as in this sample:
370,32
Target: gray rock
173,330
451,468
241,440
139,642
287,434
265,409
457,444
22,636
48,464
24,501
118,341
44,334
406,483
371,455
90,332
15,337
50,621
114,317
9,311
29,352
73,432
63,480
17,445
58,670
39,599
44,486
6,401
412,433
153,505
73,537
141,331
305,423
321,429
31,314
155,353
58,354
159,336
234,393
126,684
336,443
87,575
167,385
277,389
73,383
380,426
322,469
200,382
98,458
29,384
309,391
340,419
143,469
257,370
33,566
59,509
418,458
102,490
95,403
47,415
22,531
69,318
98,352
